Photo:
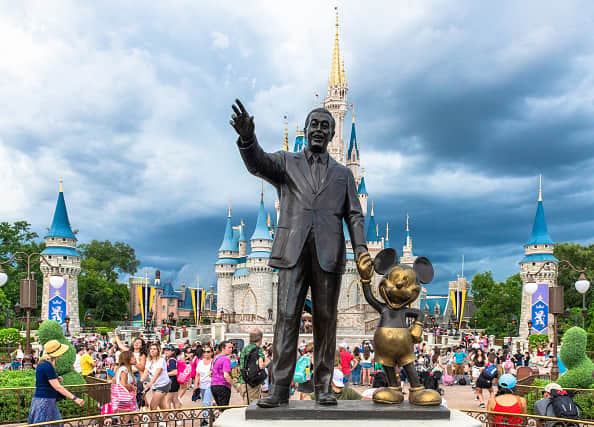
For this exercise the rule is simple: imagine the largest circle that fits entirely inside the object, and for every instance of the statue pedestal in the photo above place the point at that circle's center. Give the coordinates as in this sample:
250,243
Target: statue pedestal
347,413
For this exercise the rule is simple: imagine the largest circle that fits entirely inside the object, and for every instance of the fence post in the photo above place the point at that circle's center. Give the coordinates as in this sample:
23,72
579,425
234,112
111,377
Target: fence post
19,405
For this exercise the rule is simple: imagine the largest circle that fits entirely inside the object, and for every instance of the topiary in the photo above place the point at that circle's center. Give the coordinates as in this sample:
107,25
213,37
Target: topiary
573,356
52,330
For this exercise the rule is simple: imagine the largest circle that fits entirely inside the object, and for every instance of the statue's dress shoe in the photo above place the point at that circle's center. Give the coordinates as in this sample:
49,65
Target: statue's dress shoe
326,398
423,397
272,401
388,395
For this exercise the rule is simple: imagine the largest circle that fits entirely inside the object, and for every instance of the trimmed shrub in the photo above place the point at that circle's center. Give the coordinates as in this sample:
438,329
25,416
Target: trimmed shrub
573,356
10,336
537,339
52,330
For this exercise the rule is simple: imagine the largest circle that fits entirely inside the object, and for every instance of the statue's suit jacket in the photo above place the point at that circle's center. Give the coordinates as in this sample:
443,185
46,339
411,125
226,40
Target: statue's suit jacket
303,208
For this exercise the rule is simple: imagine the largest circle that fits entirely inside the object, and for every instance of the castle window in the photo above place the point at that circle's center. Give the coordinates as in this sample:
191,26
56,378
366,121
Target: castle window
65,257
533,263
164,309
49,256
534,246
63,239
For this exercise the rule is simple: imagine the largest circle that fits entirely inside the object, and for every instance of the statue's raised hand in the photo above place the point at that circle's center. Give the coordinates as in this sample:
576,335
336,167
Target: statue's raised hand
241,121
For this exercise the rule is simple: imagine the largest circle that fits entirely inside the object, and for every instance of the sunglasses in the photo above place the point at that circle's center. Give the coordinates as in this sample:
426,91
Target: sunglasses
207,351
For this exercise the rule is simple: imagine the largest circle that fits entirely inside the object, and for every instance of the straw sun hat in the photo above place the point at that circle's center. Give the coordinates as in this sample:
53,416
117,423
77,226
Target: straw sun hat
53,348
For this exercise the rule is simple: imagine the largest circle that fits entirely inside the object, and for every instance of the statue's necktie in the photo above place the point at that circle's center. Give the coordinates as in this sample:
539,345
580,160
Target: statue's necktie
317,171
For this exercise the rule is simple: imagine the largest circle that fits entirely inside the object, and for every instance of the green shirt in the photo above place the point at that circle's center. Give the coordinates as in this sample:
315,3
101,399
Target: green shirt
244,352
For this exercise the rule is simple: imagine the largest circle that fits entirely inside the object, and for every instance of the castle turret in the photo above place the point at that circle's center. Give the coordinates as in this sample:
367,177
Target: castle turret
60,251
407,250
352,160
538,256
362,192
372,235
336,99
242,240
225,267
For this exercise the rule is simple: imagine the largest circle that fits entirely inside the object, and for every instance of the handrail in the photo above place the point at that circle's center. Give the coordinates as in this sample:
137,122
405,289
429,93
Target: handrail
96,384
482,414
101,418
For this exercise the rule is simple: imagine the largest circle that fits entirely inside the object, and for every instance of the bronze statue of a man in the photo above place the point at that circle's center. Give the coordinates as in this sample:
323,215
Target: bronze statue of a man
316,194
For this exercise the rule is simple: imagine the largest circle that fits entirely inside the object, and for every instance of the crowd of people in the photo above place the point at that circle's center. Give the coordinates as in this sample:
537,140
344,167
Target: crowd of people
148,375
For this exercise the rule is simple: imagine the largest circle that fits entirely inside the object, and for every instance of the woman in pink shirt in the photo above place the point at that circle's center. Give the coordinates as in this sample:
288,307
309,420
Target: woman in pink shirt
221,381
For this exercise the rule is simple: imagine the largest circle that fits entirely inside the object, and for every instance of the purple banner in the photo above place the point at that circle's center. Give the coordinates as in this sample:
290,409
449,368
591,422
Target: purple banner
57,303
540,309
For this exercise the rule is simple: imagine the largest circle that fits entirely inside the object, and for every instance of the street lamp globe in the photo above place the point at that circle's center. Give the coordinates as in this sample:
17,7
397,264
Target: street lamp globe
530,287
3,278
56,281
582,285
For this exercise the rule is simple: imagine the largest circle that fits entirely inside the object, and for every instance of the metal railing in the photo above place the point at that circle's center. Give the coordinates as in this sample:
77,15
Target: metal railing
501,419
583,397
187,417
15,402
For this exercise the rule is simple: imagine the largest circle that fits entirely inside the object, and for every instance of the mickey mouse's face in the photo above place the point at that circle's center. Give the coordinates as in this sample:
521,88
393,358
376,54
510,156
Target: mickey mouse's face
399,287
400,284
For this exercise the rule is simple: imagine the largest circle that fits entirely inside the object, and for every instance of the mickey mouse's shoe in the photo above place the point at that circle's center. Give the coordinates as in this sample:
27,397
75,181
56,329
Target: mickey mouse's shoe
423,397
388,395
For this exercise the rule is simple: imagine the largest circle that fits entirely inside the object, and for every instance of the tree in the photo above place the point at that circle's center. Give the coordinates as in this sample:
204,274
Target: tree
496,303
18,237
98,289
108,259
581,257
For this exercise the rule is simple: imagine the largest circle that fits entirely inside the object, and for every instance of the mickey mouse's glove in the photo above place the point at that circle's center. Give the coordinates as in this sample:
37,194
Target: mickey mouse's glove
416,331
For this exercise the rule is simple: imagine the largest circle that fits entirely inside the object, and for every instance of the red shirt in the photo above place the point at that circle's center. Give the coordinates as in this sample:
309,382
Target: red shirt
345,362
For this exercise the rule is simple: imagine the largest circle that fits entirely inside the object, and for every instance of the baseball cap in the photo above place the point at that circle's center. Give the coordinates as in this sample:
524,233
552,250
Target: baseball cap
552,386
169,347
343,345
507,381
338,378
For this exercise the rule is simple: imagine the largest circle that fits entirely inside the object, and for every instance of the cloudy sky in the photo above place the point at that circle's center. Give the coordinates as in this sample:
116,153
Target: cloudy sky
460,106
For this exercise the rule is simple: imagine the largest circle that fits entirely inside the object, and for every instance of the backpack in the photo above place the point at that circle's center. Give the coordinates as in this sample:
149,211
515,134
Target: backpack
302,371
490,372
250,371
184,371
563,405
462,381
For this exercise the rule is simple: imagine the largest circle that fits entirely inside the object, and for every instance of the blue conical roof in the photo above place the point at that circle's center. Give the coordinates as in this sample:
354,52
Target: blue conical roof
227,244
261,232
61,224
362,189
353,143
168,291
540,234
372,235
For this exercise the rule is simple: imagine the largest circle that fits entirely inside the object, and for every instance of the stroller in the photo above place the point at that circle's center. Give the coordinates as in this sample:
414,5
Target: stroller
431,380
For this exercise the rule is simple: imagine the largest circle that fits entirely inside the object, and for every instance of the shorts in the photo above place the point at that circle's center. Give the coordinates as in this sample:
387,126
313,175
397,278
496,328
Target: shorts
458,369
174,385
221,394
163,389
483,383
365,365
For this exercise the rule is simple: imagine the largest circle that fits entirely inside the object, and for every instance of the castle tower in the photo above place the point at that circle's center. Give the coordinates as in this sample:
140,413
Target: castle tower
362,192
538,252
407,256
257,297
352,160
242,240
336,99
60,251
225,267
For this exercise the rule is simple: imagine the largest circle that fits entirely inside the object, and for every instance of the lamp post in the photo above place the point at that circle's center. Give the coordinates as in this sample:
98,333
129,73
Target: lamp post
170,324
67,320
475,321
556,297
28,293
582,285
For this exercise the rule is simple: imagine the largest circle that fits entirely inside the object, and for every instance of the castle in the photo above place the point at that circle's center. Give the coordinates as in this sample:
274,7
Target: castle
247,286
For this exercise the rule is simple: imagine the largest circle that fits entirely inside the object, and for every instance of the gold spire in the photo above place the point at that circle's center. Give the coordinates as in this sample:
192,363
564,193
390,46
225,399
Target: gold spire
353,112
387,231
342,76
268,222
229,209
61,186
539,188
336,74
286,137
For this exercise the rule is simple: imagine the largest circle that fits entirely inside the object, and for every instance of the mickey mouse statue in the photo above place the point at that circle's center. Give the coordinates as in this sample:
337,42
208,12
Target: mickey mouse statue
394,338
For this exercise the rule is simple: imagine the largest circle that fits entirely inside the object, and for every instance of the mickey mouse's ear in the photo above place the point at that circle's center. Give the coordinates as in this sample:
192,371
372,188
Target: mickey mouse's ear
424,269
385,260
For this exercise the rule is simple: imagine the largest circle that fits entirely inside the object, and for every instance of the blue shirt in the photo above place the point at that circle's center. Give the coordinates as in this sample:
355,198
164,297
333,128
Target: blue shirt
43,374
459,357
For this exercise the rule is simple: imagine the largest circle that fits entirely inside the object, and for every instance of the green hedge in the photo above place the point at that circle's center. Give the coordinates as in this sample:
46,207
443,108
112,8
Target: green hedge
573,355
10,399
537,339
